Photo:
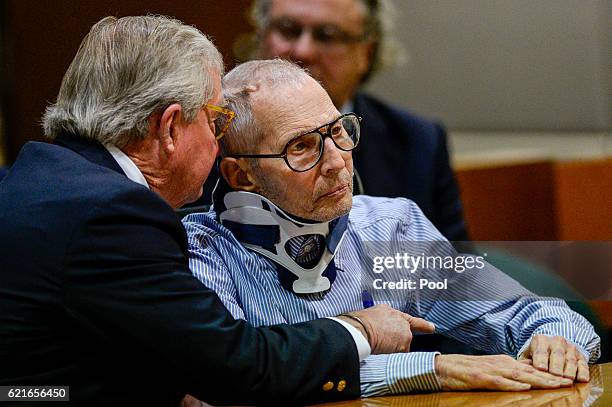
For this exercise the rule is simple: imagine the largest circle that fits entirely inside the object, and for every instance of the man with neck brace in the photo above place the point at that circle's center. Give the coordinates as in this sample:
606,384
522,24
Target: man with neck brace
283,244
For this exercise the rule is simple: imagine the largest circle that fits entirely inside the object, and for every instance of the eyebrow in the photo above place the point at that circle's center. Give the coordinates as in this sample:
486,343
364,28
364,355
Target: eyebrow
298,131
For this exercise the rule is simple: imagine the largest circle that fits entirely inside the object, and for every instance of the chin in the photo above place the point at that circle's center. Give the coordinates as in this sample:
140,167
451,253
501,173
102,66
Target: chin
195,195
334,211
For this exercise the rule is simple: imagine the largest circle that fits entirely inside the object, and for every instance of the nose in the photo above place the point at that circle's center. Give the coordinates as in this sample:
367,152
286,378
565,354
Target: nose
333,159
304,47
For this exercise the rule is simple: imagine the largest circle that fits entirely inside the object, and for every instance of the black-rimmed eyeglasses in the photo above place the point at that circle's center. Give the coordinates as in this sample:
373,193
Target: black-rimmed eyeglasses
304,151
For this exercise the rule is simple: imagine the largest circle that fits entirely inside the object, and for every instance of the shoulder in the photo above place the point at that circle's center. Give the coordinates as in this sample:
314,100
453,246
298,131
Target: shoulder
203,229
371,209
374,109
208,238
64,204
65,176
73,192
393,217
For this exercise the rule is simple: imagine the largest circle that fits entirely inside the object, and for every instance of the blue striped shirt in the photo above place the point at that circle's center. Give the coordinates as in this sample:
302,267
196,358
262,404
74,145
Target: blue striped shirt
503,322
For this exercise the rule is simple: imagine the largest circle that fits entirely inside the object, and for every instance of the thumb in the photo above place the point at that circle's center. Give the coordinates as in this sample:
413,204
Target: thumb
421,325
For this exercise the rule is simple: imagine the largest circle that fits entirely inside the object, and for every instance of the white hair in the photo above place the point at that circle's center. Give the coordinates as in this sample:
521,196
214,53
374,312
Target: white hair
239,86
125,70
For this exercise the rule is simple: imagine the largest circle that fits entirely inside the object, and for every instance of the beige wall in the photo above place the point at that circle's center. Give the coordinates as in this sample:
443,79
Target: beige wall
470,149
505,65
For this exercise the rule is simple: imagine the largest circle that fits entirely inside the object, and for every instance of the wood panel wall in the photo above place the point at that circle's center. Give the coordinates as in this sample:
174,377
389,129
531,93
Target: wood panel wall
540,200
41,38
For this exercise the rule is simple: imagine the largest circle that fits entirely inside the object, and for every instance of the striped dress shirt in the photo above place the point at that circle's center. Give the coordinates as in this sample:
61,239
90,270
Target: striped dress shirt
489,310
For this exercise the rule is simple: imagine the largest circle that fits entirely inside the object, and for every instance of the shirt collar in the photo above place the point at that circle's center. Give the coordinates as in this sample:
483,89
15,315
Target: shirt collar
127,165
348,107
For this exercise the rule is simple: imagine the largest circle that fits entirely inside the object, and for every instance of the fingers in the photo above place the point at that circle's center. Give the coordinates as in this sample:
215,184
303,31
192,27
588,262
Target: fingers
559,357
571,364
490,382
558,349
421,325
523,373
583,370
540,353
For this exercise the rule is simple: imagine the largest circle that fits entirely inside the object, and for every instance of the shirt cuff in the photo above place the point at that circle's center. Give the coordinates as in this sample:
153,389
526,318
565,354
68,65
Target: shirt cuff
413,372
363,347
399,373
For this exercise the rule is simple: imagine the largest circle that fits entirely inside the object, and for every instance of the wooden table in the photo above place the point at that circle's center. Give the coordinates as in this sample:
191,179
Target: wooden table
598,392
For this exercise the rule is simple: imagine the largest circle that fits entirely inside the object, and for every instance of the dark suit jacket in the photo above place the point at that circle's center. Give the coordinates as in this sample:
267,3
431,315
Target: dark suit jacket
403,155
96,294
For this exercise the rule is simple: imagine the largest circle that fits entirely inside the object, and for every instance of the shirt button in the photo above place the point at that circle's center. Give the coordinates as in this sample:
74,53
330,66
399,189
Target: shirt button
341,385
328,386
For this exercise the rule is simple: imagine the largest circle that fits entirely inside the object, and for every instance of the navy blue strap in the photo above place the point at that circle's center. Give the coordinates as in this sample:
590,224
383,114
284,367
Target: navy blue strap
337,228
259,235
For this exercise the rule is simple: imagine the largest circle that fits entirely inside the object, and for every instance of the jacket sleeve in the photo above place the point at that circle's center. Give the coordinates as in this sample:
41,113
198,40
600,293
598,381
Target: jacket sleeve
448,210
127,279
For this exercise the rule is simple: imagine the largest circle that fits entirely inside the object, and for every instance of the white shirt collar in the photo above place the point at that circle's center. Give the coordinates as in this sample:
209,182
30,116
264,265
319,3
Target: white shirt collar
127,165
348,107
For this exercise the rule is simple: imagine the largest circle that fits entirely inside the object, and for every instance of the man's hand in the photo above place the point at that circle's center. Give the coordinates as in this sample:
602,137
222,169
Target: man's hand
388,330
554,354
497,372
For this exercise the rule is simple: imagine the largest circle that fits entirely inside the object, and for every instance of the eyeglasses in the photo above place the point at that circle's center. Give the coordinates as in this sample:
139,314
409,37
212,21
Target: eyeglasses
222,125
325,34
304,151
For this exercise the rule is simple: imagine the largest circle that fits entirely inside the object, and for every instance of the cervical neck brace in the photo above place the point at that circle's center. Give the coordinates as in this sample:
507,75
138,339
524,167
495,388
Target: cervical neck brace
263,227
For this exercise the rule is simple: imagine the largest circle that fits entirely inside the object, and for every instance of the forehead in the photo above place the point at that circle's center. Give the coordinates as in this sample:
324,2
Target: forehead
288,111
343,13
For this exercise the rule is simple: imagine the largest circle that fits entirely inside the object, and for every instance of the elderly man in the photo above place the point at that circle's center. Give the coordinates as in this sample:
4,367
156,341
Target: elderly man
343,43
96,292
285,242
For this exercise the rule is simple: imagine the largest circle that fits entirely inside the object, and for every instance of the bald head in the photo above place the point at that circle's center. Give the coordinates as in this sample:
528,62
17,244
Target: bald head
256,91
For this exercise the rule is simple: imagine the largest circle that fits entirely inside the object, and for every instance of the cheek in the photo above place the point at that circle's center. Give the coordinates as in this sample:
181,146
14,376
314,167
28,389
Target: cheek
348,160
274,46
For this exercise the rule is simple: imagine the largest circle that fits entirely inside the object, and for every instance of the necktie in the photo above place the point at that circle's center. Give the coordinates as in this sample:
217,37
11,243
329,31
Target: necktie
306,250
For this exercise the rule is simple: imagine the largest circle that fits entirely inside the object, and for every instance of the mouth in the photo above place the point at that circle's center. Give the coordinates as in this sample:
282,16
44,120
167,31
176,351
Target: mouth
340,190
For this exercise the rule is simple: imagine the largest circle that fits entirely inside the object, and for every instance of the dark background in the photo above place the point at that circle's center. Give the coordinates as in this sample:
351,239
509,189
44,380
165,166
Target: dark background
41,38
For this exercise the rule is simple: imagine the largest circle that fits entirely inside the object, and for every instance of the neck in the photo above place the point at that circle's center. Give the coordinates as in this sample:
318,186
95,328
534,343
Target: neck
145,155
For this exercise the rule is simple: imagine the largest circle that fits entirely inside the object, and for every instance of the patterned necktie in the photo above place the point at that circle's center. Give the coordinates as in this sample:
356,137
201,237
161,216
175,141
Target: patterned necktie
306,250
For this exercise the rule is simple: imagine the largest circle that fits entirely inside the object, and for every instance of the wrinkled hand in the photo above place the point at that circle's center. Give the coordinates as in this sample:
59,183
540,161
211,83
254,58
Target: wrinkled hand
389,330
556,355
497,372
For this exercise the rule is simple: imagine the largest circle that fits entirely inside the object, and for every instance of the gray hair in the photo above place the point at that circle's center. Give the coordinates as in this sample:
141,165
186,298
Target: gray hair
125,70
240,87
379,26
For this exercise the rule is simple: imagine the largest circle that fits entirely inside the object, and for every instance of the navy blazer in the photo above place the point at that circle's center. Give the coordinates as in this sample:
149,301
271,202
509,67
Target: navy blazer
403,155
96,294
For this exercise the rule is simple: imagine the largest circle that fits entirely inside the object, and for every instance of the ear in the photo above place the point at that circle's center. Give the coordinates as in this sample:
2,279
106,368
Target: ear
169,129
368,56
237,174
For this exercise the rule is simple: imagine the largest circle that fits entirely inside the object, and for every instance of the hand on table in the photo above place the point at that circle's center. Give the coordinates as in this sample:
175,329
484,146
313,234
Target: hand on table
387,329
496,372
556,355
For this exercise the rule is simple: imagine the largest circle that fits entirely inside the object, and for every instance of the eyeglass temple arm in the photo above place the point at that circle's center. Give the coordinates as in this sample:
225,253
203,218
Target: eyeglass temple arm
256,155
